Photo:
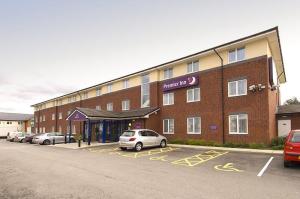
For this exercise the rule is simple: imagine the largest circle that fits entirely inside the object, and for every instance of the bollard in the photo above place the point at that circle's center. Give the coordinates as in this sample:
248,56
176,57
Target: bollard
79,143
53,141
65,139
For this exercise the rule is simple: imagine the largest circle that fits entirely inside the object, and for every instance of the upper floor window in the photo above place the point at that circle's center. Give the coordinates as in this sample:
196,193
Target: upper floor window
145,91
168,73
41,118
85,95
109,88
109,106
69,112
126,83
238,124
168,99
193,67
125,105
60,116
237,54
193,95
98,91
53,116
44,118
98,108
237,88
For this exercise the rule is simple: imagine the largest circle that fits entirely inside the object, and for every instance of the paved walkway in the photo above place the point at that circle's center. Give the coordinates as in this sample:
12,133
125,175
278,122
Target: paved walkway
229,149
83,145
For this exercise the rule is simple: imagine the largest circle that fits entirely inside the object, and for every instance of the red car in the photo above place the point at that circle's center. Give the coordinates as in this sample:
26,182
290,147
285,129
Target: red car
292,148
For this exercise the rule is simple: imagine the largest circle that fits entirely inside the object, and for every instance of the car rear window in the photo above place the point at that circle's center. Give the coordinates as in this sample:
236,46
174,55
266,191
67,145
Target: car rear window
128,133
296,137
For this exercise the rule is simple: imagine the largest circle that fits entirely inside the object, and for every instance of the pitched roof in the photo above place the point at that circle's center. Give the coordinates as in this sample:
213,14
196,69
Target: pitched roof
101,114
15,116
294,108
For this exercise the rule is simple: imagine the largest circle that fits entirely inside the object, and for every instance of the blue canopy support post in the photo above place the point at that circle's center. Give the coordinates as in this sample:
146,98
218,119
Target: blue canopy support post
104,132
83,132
70,130
89,132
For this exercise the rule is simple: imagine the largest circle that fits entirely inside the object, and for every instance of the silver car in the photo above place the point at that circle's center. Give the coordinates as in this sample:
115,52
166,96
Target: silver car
47,138
139,138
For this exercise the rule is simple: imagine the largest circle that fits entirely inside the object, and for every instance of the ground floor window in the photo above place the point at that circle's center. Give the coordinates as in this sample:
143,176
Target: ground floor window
168,126
194,125
238,124
59,129
53,129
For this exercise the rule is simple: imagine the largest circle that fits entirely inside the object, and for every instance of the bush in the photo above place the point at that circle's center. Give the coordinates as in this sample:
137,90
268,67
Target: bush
279,147
278,141
256,146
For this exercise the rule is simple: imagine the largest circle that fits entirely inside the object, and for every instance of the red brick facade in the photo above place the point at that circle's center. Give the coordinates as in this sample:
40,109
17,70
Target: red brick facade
260,105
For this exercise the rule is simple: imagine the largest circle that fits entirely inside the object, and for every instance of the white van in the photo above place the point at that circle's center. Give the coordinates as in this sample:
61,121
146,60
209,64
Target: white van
11,136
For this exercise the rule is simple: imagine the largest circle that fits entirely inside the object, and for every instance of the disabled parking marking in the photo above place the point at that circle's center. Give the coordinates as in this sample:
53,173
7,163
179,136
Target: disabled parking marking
145,153
161,158
101,150
227,167
199,158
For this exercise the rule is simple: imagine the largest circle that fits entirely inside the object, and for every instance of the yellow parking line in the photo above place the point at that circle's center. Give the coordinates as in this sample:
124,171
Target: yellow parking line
145,153
198,159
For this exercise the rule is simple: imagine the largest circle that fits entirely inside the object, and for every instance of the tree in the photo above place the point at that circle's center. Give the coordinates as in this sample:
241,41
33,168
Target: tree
291,101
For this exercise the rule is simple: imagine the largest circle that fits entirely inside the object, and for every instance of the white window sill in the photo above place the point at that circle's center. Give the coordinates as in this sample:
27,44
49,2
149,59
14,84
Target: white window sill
237,95
194,133
193,101
168,104
168,133
235,133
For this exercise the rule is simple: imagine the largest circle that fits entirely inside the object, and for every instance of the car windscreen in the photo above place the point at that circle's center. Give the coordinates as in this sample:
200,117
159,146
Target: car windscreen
296,137
128,133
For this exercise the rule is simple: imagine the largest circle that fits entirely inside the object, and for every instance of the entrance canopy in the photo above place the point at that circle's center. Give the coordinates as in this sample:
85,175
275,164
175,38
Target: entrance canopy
84,114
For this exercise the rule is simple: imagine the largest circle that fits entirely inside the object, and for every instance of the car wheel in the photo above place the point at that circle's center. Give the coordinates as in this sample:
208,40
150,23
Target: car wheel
138,146
72,140
22,141
123,148
286,164
163,144
46,142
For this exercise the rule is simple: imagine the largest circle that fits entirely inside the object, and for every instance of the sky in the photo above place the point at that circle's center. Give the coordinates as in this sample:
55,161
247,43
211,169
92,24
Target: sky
52,47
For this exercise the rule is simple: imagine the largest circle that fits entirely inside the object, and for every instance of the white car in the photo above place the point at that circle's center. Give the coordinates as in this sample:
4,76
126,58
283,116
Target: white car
47,138
139,138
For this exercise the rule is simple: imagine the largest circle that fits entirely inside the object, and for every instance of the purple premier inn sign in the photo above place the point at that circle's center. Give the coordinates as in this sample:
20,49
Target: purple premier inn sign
180,82
77,116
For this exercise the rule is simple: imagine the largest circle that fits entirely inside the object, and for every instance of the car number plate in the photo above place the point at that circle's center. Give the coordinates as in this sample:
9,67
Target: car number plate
299,157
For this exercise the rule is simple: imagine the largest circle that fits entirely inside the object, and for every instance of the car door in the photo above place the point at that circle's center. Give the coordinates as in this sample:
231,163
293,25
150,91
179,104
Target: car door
152,137
144,138
59,138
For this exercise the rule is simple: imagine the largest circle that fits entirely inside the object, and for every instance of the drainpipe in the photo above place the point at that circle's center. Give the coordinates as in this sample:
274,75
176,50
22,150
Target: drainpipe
222,96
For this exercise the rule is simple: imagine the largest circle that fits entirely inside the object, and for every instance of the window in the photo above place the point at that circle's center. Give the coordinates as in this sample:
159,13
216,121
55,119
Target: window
41,130
53,116
53,129
60,116
237,54
109,107
69,112
237,88
36,119
109,88
85,95
59,129
74,98
98,91
168,126
41,118
238,124
44,130
69,99
193,95
194,125
44,118
125,105
168,99
145,91
98,108
193,67
126,83
168,73
74,129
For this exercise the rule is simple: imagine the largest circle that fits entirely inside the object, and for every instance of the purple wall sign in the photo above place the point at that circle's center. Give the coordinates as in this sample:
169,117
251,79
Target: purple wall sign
77,116
213,127
180,82
137,125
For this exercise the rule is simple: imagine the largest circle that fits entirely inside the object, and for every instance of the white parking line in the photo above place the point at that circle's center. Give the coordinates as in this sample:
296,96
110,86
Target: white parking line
265,167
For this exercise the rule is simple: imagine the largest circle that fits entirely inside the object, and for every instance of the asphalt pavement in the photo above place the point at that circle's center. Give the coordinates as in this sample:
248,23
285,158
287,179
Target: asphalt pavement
34,171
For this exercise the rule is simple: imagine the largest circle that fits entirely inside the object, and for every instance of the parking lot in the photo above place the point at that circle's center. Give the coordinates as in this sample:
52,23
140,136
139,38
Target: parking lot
34,171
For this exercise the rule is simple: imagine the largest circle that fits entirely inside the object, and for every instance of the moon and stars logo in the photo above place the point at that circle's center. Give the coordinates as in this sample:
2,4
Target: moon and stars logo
191,80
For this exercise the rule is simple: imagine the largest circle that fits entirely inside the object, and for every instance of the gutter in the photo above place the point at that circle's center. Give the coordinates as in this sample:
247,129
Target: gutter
222,95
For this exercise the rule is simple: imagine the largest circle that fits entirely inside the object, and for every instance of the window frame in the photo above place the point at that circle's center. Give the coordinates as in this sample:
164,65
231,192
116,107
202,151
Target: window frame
109,88
237,115
143,83
237,88
168,132
187,126
236,54
169,72
125,83
193,67
123,107
112,106
168,99
60,115
98,91
193,89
